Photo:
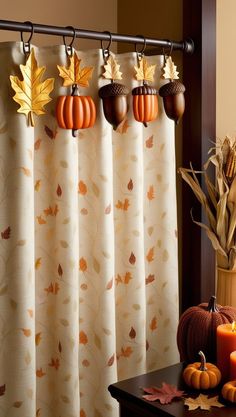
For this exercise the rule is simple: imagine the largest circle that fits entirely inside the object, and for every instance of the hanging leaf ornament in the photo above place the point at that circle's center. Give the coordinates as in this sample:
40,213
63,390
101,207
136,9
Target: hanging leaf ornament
172,92
145,103
73,74
112,69
144,72
170,68
74,111
31,93
114,95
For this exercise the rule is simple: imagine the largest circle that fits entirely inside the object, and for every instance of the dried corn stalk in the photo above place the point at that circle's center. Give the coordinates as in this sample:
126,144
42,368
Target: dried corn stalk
219,203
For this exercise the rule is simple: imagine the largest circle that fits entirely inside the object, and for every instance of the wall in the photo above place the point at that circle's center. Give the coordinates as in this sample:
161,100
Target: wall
226,69
88,14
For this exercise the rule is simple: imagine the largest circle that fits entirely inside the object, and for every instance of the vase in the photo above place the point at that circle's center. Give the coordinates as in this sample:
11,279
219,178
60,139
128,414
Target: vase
226,287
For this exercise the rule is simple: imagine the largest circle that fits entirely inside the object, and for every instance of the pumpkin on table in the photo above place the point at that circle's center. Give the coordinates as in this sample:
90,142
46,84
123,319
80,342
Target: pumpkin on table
197,329
229,391
75,112
202,375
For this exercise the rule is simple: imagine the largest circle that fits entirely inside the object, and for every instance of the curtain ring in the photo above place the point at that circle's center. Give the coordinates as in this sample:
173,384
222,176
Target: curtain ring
69,47
171,48
26,45
141,52
106,51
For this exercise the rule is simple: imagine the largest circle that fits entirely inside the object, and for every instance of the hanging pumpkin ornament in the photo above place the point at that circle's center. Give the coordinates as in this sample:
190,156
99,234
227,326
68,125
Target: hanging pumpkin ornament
31,93
75,112
114,95
172,92
145,102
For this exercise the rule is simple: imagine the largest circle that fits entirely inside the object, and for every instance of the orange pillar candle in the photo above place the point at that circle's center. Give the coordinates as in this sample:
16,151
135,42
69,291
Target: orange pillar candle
226,343
233,366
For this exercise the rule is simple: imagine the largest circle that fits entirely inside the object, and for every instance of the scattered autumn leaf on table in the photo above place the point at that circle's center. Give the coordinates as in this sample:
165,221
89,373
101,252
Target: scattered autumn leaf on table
165,394
202,401
31,93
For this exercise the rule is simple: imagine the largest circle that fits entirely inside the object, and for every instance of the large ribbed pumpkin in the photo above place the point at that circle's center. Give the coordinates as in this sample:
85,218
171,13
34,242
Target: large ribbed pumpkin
145,104
75,112
197,329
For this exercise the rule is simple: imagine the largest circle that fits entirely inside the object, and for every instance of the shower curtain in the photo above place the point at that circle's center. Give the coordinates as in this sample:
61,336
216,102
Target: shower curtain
88,248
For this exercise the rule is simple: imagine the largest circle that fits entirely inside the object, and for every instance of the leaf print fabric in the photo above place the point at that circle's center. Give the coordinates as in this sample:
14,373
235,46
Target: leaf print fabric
88,249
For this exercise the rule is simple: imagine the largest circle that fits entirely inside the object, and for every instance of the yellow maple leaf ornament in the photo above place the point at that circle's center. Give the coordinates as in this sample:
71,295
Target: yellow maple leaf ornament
31,93
170,70
112,69
144,72
73,74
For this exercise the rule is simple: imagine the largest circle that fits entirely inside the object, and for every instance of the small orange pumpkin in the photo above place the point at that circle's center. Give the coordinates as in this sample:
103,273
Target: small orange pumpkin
202,375
229,391
75,112
145,103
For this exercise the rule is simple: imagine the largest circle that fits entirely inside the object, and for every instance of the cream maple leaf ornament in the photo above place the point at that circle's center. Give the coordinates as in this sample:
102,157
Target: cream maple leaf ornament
31,93
172,92
145,103
75,111
114,95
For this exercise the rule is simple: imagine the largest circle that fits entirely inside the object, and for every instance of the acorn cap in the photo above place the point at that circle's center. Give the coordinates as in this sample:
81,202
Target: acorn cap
144,90
112,90
172,88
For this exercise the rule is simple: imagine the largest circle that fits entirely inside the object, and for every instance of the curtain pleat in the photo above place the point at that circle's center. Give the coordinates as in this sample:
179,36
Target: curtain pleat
88,248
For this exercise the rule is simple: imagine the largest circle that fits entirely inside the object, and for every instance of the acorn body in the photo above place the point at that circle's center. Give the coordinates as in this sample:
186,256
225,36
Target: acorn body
173,99
115,103
145,104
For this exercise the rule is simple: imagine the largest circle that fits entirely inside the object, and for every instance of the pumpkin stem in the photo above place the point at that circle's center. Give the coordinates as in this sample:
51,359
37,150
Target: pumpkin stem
203,361
212,307
145,124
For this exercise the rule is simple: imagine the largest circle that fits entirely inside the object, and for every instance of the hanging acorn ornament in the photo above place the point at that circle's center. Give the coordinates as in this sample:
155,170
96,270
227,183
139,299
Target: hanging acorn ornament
145,102
114,95
172,92
75,112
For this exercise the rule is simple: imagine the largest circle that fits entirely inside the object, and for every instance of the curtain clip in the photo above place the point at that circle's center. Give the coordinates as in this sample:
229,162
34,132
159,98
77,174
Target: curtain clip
26,45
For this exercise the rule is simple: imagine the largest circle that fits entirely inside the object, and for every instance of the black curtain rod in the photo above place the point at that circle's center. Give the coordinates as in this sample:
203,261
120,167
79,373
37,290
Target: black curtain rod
185,45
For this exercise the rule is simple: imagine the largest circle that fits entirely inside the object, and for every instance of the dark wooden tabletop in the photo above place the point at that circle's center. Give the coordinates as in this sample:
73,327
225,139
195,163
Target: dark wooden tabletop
129,394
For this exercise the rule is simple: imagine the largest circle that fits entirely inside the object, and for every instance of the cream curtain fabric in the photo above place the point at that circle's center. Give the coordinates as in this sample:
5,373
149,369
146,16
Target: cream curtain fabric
88,249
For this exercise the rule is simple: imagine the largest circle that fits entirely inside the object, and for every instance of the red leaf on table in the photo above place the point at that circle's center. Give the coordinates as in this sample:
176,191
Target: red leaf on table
165,394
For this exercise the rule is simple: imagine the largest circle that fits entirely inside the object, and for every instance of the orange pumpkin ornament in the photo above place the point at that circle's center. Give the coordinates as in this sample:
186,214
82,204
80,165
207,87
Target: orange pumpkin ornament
229,391
145,102
74,111
202,375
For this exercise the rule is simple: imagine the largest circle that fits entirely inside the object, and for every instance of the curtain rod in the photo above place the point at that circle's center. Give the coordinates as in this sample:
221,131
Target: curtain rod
185,45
